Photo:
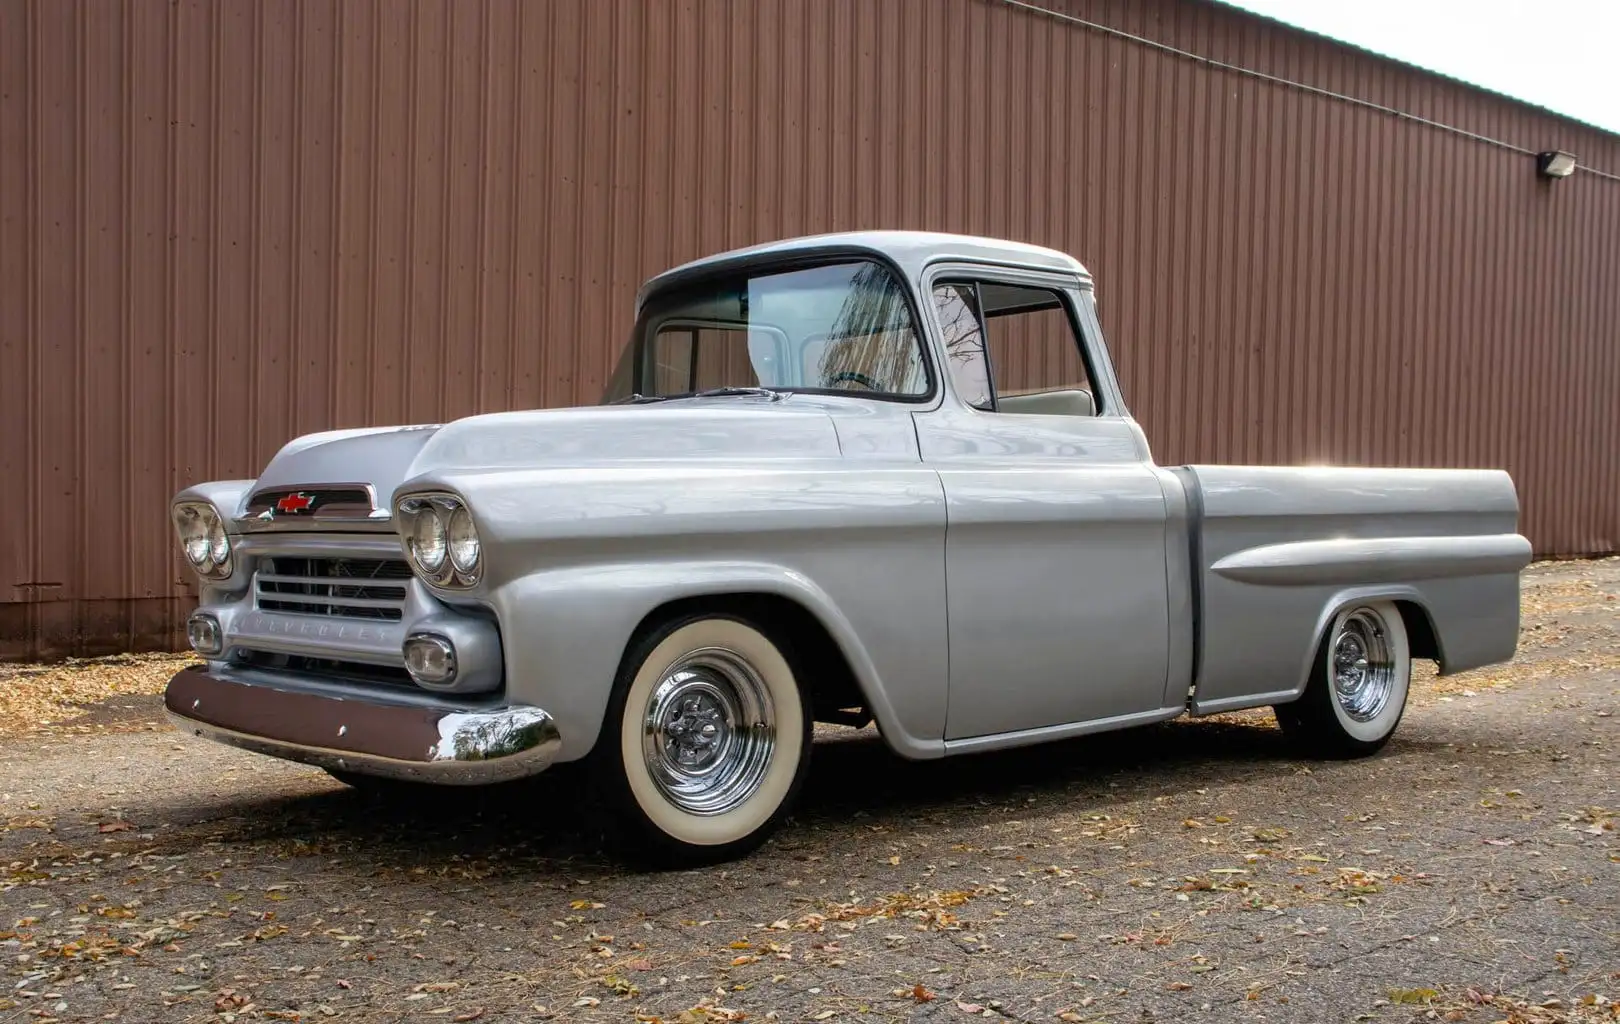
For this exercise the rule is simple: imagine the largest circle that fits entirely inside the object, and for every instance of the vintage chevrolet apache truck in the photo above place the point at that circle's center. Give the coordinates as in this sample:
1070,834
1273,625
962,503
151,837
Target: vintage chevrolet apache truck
878,476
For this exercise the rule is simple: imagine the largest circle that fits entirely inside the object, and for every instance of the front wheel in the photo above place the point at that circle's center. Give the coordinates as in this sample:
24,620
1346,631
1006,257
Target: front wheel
1358,684
706,742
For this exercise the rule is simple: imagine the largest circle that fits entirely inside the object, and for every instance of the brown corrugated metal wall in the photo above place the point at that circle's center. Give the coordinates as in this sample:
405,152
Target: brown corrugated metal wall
223,224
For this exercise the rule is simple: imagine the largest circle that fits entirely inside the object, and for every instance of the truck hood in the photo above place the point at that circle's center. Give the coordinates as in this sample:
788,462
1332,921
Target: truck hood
697,429
378,457
687,429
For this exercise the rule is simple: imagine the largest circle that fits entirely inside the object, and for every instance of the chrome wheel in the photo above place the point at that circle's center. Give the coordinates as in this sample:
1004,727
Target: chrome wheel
1362,666
708,732
1357,690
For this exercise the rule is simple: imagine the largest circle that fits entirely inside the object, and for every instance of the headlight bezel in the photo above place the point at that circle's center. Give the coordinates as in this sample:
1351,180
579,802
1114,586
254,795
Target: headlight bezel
450,573
215,560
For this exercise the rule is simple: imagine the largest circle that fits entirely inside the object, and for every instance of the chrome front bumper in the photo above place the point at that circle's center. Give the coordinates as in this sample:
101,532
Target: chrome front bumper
413,741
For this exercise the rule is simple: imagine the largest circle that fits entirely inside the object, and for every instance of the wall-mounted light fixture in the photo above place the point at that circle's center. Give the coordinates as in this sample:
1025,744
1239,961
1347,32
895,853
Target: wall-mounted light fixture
1555,163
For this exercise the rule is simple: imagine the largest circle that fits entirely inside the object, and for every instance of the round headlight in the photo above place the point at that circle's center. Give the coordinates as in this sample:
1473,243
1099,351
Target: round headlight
194,539
427,540
463,541
219,546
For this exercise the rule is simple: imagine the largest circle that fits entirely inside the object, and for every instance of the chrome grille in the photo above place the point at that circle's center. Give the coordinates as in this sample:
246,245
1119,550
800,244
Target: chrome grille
347,588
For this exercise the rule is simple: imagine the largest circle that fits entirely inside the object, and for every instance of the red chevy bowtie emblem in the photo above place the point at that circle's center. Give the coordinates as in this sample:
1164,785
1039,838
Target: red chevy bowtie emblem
293,503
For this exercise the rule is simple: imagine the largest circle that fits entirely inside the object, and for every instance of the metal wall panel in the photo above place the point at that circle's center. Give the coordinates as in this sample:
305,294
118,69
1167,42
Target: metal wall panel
226,223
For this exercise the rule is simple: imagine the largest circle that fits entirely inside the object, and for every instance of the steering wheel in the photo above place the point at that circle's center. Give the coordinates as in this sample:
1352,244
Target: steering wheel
854,375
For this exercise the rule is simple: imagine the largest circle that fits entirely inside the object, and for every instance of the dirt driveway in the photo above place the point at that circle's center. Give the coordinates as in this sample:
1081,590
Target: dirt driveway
1188,871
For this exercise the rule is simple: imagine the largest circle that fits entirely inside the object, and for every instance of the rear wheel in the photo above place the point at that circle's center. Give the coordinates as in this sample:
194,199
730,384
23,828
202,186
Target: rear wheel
1358,685
706,742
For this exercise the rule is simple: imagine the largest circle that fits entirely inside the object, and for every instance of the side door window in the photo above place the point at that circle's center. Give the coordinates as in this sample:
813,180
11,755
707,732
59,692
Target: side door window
1014,349
956,306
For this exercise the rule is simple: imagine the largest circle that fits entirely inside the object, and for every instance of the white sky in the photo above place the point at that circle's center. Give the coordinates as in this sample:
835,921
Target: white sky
1559,54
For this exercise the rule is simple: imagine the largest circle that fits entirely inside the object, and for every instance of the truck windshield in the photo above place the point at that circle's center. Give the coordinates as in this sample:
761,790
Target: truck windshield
841,327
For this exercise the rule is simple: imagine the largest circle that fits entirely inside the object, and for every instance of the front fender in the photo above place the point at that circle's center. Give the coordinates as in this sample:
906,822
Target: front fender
565,631
226,495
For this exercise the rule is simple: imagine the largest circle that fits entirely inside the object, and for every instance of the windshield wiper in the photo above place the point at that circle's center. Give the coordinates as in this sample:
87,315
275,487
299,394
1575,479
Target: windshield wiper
775,396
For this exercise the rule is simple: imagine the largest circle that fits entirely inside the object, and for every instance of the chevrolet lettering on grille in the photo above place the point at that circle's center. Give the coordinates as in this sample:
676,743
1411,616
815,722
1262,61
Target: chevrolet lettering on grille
275,625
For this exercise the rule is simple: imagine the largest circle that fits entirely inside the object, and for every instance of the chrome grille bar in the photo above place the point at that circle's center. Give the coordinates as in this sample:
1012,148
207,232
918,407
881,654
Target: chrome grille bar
346,599
349,588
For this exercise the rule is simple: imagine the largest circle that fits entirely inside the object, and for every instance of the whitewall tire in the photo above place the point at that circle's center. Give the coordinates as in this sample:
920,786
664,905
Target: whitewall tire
707,739
1358,686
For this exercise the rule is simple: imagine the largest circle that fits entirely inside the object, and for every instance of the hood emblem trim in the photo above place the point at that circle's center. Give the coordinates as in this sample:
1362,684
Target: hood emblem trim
295,507
295,503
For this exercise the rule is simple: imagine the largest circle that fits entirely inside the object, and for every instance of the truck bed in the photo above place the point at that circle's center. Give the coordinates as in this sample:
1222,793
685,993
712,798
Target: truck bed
1274,552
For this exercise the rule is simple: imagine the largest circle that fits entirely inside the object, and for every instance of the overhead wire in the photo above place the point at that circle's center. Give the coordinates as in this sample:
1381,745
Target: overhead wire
1291,84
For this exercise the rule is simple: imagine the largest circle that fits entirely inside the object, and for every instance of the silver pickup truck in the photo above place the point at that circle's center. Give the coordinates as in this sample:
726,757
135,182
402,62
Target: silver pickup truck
878,477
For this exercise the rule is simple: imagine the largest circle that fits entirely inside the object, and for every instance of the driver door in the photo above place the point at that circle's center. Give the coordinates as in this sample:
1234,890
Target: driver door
1055,540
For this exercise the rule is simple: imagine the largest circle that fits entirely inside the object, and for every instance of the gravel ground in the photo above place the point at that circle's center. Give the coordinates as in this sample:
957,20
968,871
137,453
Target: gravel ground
1193,870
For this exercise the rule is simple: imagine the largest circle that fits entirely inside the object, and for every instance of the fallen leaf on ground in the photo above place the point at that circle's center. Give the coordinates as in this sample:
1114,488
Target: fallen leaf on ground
1412,995
35,696
621,986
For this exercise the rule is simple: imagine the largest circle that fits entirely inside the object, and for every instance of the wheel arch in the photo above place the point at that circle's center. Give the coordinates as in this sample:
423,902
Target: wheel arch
1422,639
567,633
833,684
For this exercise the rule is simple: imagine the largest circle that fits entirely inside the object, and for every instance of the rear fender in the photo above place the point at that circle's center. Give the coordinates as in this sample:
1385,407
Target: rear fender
1451,611
1337,603
1280,550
